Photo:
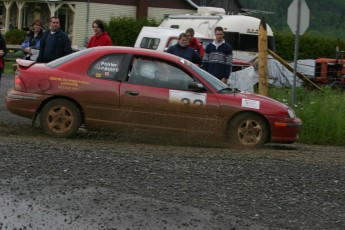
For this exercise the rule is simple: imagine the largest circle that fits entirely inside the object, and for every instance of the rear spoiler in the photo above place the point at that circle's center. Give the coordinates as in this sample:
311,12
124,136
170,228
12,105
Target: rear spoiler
24,63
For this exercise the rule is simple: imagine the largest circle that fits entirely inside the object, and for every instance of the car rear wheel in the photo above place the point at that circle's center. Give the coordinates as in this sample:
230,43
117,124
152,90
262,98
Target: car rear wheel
248,130
60,118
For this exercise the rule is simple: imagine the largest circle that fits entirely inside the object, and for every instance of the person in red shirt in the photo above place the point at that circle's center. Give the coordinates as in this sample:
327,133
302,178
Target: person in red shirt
194,43
3,51
101,38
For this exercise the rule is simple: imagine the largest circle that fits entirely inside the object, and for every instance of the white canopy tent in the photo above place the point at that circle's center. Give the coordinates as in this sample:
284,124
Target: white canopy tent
279,75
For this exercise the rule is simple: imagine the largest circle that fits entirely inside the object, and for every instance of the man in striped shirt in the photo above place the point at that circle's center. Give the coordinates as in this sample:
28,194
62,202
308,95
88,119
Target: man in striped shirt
218,57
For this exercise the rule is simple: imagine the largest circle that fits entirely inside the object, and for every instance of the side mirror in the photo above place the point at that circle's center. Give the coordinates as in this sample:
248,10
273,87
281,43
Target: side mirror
198,87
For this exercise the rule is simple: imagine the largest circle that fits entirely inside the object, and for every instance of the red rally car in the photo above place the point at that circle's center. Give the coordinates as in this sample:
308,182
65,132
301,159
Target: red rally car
122,88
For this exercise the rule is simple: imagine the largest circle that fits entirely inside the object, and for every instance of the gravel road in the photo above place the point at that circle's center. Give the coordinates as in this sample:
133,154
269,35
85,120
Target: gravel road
108,181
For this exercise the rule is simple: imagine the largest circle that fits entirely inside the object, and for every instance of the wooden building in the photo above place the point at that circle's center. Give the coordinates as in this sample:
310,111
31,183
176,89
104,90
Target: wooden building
76,16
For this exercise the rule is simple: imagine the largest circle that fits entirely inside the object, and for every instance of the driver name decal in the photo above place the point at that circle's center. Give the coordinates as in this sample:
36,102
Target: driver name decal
187,98
108,67
247,103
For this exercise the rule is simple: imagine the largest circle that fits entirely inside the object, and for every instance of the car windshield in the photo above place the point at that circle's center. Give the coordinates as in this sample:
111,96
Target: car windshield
217,84
57,62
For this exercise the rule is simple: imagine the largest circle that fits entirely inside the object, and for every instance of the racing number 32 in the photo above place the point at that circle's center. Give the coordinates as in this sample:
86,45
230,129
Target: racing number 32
187,101
187,98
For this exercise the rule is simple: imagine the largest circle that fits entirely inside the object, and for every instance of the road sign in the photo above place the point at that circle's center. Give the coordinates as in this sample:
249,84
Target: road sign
298,20
298,11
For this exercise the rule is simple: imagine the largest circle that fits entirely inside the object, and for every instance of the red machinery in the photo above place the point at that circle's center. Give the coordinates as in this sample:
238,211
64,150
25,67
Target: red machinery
330,71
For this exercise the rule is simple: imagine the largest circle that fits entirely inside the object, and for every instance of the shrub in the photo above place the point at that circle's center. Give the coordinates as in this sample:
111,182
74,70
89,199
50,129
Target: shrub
13,54
15,37
124,31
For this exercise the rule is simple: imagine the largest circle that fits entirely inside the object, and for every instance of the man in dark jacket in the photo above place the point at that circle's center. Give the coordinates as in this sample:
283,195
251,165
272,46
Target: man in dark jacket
182,49
54,43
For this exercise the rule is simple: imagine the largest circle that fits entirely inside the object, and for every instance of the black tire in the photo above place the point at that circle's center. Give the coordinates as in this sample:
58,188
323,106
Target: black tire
337,85
248,130
60,118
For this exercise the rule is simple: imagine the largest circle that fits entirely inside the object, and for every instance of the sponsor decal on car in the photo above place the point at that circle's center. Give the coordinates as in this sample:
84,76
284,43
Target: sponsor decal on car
108,67
247,103
67,83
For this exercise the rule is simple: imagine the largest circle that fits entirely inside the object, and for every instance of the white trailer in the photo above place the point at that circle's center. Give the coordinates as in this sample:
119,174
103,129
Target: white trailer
240,31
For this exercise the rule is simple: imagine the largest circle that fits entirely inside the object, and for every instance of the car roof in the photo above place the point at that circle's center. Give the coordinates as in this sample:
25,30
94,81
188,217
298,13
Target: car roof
138,51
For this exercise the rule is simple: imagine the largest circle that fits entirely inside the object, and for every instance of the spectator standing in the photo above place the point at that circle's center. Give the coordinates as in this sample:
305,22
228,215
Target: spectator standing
3,51
182,49
218,57
101,38
194,43
54,43
31,44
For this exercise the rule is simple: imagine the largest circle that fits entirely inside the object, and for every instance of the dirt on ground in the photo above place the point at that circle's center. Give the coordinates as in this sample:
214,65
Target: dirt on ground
114,181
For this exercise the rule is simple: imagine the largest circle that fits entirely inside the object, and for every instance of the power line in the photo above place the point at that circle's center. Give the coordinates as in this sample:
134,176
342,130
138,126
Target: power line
251,11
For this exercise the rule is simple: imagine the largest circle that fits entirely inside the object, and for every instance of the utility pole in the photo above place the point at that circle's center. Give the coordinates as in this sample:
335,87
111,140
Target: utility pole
262,59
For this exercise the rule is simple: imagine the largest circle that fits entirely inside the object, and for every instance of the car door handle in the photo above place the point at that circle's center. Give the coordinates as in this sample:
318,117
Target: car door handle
132,93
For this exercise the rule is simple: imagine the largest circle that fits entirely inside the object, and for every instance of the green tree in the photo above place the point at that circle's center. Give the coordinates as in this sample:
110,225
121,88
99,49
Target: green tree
327,17
311,45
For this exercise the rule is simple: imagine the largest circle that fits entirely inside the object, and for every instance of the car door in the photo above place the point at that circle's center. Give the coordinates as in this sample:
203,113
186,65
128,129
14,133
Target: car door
156,96
101,99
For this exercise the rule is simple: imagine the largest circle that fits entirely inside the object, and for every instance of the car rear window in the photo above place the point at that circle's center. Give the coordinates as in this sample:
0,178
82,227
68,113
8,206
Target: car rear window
67,58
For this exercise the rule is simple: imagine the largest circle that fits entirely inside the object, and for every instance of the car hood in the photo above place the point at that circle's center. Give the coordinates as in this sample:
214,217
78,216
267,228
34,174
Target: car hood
262,98
254,102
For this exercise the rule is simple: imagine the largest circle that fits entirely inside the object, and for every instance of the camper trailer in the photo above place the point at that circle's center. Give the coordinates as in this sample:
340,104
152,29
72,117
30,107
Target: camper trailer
240,31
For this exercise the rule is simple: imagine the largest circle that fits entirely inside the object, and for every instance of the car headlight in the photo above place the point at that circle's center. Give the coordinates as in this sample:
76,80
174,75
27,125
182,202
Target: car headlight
291,113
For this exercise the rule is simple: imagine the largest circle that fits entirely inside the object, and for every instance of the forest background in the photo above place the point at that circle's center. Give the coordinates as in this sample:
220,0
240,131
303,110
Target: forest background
326,26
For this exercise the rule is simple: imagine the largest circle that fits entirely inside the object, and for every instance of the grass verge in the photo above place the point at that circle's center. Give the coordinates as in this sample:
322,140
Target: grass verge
322,114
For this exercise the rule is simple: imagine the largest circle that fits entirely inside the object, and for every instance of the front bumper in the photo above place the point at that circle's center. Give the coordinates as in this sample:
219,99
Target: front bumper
285,130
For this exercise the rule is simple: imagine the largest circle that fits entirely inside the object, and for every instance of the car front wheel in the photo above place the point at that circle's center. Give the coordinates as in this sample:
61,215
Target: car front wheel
60,118
248,130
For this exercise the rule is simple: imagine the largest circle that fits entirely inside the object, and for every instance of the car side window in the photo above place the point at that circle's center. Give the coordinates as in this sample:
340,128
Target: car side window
159,74
106,67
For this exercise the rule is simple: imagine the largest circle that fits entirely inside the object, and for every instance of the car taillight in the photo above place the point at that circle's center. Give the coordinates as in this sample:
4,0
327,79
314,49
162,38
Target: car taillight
18,84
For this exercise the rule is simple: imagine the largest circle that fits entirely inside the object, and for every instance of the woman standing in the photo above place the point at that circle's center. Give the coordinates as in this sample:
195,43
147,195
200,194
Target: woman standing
31,44
3,51
101,38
